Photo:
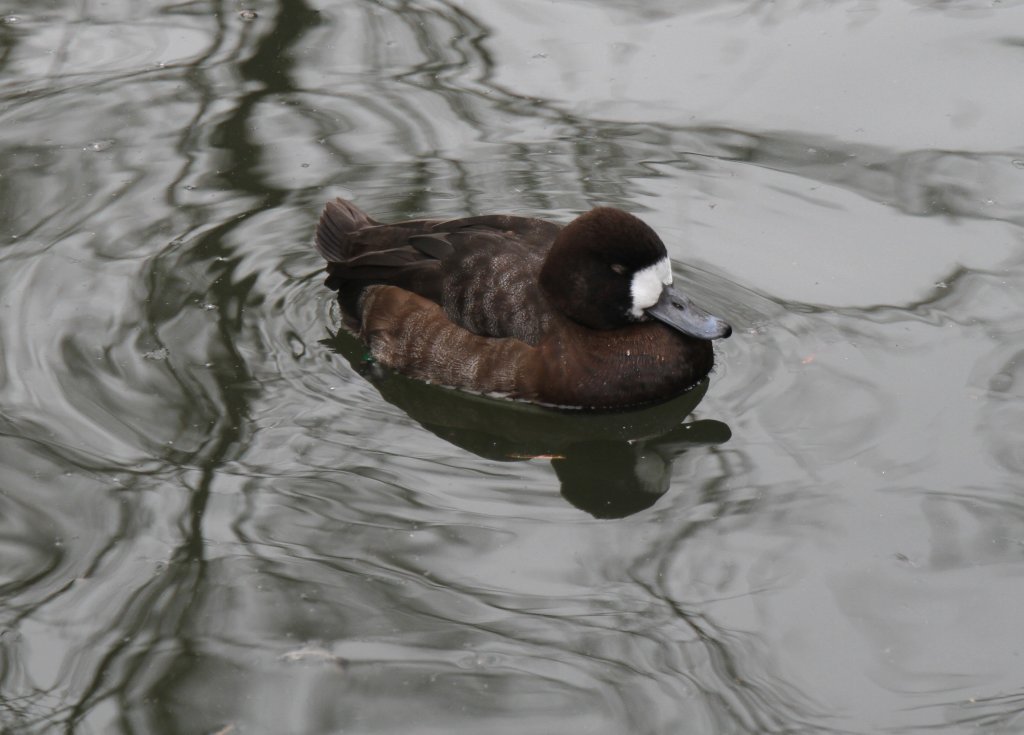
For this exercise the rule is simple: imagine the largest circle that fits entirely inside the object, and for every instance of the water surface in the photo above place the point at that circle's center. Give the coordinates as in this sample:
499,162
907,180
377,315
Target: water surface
215,518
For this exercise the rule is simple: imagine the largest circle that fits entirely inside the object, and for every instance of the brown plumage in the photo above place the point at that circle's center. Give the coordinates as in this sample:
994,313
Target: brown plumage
513,306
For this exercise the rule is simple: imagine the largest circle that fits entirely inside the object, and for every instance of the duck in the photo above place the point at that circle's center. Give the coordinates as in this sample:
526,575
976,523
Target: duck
582,315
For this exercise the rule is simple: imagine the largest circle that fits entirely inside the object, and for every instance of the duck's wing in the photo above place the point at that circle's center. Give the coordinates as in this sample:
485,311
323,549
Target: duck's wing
482,270
361,251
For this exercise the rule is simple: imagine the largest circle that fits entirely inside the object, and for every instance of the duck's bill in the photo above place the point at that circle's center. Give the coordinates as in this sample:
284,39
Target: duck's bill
677,311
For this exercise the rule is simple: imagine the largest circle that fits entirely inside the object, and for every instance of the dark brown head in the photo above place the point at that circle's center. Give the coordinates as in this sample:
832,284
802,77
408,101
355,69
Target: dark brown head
608,269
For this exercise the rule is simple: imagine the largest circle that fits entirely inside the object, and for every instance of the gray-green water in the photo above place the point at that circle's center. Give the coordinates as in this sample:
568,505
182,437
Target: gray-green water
212,522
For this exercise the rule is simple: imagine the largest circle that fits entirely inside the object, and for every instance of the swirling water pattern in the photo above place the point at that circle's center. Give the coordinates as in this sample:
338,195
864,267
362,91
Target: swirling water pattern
215,518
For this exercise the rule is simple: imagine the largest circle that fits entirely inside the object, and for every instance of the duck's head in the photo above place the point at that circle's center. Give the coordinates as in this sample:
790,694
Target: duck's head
608,269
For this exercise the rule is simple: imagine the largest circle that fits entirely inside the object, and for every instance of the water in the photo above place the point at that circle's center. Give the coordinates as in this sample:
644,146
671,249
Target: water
214,517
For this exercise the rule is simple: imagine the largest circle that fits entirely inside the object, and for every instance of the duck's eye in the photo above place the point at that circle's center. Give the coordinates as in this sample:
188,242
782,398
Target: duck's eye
619,268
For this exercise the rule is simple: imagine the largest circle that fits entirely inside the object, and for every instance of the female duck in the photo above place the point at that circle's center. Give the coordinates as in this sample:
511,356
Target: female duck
577,316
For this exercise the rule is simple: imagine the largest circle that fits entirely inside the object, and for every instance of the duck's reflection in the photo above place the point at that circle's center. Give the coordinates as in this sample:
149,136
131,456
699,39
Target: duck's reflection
610,465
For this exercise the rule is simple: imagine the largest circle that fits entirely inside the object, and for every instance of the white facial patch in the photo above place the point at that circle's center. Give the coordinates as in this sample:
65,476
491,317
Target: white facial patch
648,284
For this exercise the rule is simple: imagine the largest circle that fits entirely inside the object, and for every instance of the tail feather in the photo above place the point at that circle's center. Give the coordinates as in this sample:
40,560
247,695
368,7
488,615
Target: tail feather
339,219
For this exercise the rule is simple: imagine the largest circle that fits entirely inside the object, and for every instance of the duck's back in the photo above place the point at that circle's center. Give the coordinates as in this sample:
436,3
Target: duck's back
483,271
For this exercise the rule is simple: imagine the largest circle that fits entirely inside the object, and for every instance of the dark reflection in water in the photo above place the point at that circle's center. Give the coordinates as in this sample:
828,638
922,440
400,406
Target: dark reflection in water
609,464
210,523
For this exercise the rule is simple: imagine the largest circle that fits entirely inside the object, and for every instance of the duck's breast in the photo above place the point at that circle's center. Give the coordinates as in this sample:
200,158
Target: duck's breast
617,368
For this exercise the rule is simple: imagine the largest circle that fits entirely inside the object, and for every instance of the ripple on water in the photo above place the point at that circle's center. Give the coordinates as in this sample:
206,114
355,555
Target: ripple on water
214,516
